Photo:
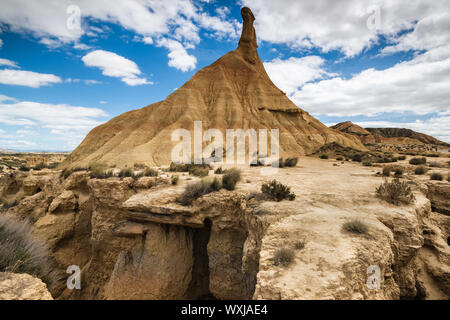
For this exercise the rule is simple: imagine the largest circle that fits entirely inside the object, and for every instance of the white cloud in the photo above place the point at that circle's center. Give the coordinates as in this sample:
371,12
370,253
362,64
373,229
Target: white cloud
293,73
113,65
420,86
27,78
178,56
8,63
70,122
342,25
437,127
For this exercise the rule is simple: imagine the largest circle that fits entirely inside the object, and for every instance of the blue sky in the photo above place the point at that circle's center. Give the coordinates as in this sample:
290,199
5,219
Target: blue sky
386,65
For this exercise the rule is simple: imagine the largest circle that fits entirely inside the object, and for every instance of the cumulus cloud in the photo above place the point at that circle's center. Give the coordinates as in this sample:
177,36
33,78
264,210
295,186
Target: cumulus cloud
113,65
8,63
178,56
420,86
348,26
27,78
71,123
292,73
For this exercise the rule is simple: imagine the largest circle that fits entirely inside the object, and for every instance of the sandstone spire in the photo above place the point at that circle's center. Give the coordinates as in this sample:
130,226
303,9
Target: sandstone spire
234,92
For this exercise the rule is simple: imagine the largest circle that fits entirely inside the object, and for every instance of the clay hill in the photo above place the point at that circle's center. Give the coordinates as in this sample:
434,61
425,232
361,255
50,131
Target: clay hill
233,92
387,135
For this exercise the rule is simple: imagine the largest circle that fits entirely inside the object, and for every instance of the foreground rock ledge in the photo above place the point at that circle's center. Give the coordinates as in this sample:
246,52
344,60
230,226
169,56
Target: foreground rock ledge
15,286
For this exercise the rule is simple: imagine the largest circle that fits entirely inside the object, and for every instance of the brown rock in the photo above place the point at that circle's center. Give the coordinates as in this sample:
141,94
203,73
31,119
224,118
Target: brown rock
15,286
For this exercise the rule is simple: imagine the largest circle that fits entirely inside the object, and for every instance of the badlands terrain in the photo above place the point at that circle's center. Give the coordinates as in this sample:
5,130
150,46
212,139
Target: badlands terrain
351,213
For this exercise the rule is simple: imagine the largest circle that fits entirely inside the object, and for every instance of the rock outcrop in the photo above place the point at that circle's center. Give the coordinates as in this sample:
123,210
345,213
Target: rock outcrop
15,286
234,92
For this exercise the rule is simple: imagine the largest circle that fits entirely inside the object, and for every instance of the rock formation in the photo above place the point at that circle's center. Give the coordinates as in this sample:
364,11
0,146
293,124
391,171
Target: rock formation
234,92
22,287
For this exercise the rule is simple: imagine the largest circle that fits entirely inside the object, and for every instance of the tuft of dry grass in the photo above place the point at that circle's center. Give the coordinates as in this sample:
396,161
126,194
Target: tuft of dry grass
277,191
283,257
436,176
20,251
395,192
231,178
196,190
355,226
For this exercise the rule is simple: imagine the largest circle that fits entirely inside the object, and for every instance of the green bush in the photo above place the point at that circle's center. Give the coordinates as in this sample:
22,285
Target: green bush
387,171
277,191
20,251
174,180
231,178
436,176
323,156
283,257
148,172
355,226
196,190
417,161
395,192
291,162
420,170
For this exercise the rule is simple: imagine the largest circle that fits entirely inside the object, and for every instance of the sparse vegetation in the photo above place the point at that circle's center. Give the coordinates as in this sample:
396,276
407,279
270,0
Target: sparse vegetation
219,171
124,173
277,191
367,163
231,178
339,158
395,192
199,172
401,158
398,172
417,161
291,162
20,252
420,170
436,176
357,157
174,180
149,172
300,244
99,173
196,190
323,156
387,171
283,257
24,168
355,226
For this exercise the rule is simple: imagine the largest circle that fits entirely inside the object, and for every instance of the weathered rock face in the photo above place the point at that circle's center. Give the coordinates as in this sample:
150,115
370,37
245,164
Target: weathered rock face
439,195
137,243
234,92
15,286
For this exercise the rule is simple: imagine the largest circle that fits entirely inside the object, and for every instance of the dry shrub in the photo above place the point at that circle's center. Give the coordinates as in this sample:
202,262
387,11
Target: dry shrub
291,162
20,251
355,226
277,191
231,178
150,172
196,190
436,176
283,257
174,180
420,170
395,192
417,161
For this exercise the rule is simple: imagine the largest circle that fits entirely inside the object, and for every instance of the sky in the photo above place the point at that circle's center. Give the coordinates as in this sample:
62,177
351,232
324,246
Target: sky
68,66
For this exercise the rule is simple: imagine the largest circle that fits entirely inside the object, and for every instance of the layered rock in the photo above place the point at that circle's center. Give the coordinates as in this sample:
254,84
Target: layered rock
15,286
234,92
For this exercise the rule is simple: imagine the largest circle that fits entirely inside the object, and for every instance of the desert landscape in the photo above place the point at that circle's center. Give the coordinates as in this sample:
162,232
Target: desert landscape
322,212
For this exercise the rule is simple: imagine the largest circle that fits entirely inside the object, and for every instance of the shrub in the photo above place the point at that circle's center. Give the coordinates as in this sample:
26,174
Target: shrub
66,173
367,163
420,170
126,173
281,163
148,172
448,177
339,158
24,168
231,178
387,171
277,191
53,165
196,190
99,173
138,166
401,157
174,180
436,176
417,161
20,252
283,257
323,156
395,192
39,166
199,172
398,172
355,226
299,244
219,171
291,162
357,157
